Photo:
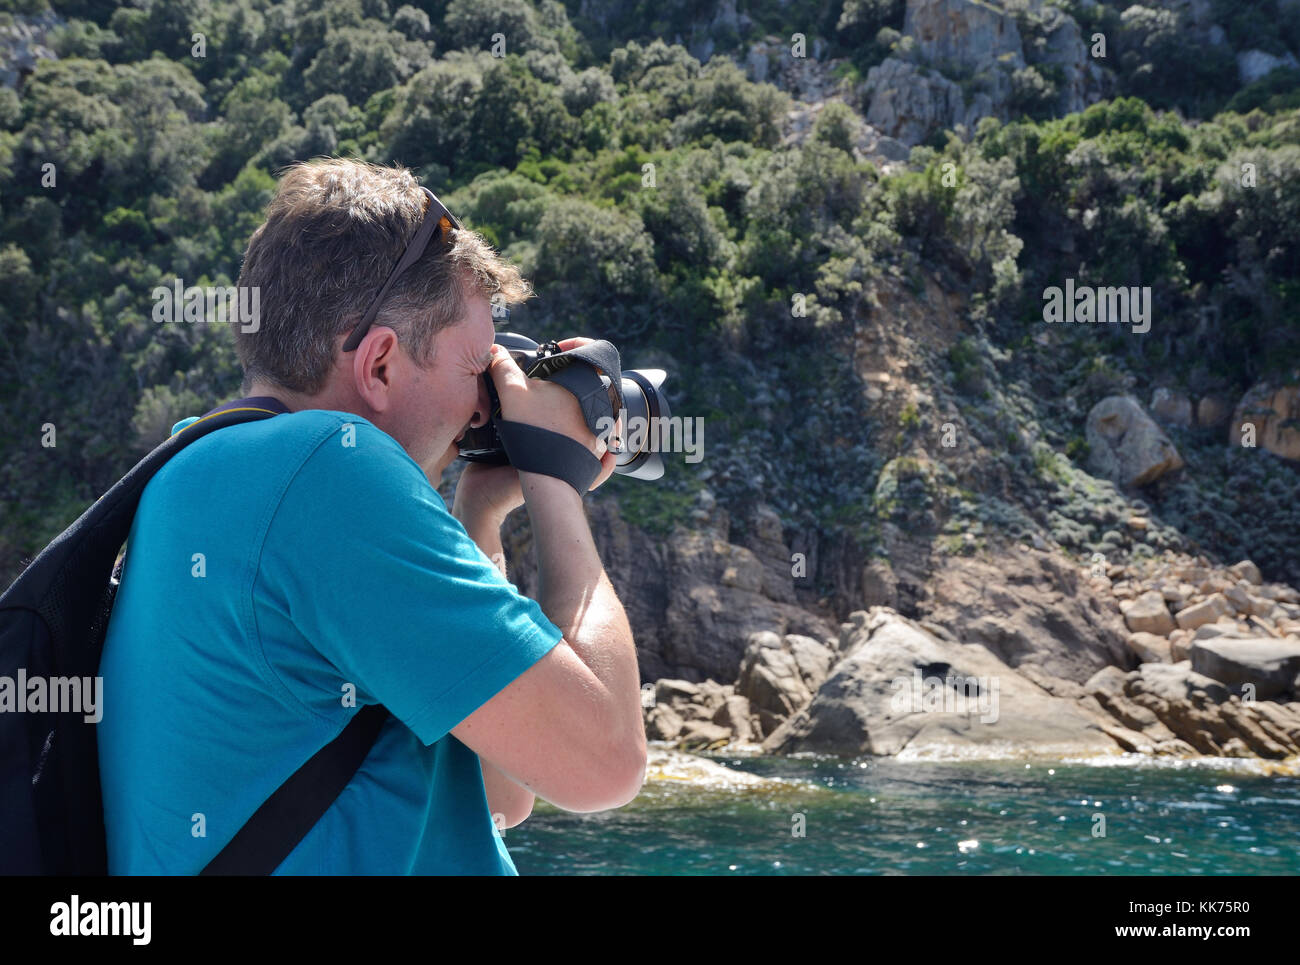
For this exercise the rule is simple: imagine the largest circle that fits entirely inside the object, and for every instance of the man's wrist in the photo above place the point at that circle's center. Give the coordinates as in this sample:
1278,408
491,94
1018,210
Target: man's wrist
538,485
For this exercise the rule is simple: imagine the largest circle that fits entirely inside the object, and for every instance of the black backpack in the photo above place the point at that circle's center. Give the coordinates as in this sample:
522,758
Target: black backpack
53,620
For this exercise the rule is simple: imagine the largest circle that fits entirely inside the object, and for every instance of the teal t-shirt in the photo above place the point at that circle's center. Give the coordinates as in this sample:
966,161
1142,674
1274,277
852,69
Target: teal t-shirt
275,569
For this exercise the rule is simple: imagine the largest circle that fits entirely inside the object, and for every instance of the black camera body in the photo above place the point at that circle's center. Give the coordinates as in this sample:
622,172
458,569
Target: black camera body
612,399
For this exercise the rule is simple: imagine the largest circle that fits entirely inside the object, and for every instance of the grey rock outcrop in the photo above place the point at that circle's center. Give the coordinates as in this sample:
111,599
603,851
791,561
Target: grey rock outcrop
22,44
1150,647
1172,709
908,102
778,676
1148,613
958,65
1032,611
1043,646
900,689
1082,81
693,599
965,35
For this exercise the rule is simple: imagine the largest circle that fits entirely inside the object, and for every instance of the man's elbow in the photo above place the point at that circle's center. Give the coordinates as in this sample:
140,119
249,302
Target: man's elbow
517,815
638,770
509,810
609,782
626,777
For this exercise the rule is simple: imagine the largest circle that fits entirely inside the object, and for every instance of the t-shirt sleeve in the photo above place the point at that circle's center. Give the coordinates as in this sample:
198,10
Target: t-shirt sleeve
387,586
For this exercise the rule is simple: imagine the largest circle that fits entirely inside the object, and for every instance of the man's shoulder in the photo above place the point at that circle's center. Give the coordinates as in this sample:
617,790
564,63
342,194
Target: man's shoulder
348,444
329,462
294,437
310,454
348,431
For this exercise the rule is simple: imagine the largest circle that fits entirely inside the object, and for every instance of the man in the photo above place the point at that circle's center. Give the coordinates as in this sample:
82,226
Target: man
281,574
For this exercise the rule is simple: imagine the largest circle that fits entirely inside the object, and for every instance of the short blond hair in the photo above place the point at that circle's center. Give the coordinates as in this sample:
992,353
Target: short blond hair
333,232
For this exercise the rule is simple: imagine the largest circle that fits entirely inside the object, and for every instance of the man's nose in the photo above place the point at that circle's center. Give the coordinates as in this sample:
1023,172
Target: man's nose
483,410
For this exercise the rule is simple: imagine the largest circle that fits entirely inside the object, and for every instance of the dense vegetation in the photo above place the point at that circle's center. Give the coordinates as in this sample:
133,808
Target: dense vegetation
653,200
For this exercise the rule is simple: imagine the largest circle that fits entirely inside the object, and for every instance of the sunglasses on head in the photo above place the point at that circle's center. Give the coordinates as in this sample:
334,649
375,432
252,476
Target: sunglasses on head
436,219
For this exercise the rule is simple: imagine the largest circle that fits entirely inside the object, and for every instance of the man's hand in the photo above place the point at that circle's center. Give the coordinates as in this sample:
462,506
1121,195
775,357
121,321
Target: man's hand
486,494
547,405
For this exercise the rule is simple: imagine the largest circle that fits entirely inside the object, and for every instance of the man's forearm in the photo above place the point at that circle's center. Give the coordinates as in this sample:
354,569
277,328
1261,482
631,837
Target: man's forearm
486,534
576,595
505,797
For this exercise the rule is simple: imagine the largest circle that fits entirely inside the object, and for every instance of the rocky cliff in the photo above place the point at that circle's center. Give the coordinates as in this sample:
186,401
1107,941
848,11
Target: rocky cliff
1054,613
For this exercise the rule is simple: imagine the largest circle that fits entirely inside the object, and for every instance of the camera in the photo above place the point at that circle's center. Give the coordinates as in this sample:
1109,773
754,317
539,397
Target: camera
618,403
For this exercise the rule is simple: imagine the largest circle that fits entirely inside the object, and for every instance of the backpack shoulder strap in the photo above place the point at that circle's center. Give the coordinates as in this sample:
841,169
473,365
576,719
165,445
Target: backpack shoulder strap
283,820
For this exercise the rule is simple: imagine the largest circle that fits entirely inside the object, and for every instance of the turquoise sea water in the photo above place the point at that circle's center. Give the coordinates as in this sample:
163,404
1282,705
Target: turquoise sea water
876,817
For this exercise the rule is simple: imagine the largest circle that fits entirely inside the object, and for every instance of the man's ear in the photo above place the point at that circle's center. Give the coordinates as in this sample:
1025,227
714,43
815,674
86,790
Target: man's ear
373,367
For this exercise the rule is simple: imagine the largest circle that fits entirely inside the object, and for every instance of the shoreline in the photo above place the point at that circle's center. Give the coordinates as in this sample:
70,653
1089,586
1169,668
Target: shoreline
1289,767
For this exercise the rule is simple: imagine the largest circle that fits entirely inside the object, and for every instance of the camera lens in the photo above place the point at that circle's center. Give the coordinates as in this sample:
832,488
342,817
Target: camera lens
644,414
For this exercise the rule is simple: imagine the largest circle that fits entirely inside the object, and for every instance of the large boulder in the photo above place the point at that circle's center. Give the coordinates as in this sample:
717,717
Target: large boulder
1274,411
1270,665
1208,610
1150,648
1138,728
901,690
1212,411
1248,571
1126,445
772,680
663,723
1148,613
812,657
735,715
23,44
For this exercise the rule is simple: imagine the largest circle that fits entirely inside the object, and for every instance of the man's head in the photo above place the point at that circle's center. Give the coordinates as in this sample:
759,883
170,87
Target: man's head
333,232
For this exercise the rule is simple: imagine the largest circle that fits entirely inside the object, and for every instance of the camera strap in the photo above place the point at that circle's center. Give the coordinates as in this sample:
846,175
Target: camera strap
533,449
